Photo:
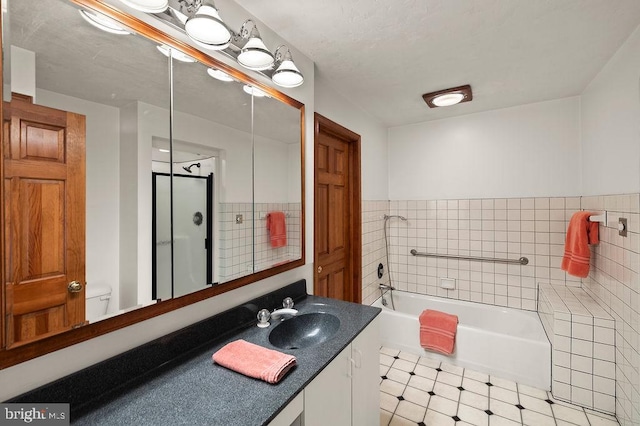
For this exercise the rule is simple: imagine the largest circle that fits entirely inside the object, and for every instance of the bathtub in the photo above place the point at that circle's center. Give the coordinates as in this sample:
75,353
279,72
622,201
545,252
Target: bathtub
505,342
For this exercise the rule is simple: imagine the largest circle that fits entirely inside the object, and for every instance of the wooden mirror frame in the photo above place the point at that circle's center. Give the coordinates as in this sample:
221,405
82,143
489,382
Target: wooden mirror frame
10,357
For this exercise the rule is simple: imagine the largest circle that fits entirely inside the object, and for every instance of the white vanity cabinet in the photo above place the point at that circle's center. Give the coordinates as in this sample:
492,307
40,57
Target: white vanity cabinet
346,392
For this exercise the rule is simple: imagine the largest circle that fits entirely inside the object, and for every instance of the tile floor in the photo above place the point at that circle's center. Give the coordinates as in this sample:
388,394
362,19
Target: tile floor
420,391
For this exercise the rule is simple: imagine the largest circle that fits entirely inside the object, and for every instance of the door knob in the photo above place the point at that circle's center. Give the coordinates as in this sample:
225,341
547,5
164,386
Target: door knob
74,287
319,269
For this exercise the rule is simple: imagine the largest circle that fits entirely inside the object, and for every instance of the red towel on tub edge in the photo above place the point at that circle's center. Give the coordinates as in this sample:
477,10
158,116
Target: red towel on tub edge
438,331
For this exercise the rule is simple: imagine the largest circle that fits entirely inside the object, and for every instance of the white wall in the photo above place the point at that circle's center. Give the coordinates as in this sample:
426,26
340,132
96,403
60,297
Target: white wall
610,118
336,107
525,151
102,190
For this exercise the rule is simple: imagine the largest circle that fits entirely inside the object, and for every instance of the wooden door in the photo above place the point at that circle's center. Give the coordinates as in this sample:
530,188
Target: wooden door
44,187
338,244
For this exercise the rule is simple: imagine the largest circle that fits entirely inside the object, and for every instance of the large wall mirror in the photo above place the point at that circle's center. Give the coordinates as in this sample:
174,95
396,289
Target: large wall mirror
132,178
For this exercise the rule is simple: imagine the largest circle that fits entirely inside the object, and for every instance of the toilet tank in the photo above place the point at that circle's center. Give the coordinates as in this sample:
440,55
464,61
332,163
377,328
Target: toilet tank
97,300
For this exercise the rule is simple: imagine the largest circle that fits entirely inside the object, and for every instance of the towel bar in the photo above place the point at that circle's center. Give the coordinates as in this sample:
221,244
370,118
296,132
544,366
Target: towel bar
522,261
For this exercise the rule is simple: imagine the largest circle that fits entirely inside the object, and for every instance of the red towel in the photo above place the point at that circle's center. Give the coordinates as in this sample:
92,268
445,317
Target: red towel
438,331
254,361
277,228
580,234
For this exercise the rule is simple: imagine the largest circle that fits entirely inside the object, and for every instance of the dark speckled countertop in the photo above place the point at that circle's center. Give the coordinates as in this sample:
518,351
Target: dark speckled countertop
199,392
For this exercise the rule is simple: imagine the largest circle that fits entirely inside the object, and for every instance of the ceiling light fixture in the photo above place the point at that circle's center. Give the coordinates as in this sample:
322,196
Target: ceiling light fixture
201,21
219,75
253,91
175,54
448,97
102,22
206,27
286,73
254,55
148,6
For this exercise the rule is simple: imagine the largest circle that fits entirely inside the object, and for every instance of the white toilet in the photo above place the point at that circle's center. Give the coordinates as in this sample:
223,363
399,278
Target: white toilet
97,300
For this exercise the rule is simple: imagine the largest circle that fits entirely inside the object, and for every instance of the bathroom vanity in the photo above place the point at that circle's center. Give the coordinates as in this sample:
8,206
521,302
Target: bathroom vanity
173,380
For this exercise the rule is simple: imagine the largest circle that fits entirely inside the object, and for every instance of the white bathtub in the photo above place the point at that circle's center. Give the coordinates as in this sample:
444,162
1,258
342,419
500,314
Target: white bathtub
508,343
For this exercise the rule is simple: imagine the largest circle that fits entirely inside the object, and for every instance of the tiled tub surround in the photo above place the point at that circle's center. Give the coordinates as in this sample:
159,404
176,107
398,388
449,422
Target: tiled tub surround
583,347
172,380
501,228
613,281
533,230
373,249
509,343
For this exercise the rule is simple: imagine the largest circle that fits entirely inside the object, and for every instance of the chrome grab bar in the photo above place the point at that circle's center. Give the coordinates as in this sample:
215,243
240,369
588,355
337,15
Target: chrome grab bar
522,261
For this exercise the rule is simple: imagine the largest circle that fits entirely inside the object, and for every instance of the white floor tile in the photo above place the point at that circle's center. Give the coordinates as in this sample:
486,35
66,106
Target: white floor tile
392,387
428,362
403,365
453,369
401,421
421,383
428,372
388,402
528,390
532,418
472,415
447,391
501,421
474,400
503,395
443,405
411,411
435,418
503,383
385,417
505,410
384,369
398,375
534,404
568,414
386,360
476,387
448,378
416,396
595,420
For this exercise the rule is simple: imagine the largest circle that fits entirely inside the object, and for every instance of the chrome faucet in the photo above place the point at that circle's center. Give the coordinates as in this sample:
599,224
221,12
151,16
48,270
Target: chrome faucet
385,288
286,312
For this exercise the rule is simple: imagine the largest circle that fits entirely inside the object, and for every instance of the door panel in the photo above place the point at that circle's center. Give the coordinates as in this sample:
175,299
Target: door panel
337,212
44,187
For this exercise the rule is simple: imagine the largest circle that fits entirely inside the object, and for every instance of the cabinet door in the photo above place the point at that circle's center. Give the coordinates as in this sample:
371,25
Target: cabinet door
327,399
366,376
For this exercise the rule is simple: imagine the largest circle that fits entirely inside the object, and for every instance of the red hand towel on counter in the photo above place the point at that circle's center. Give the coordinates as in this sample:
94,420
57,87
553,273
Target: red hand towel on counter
277,228
254,361
580,233
438,331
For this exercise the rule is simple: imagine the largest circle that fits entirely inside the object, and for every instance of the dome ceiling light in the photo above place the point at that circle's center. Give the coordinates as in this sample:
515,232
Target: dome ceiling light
448,97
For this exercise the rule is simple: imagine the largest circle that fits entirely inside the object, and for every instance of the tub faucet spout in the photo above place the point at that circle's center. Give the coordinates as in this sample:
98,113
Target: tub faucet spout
385,287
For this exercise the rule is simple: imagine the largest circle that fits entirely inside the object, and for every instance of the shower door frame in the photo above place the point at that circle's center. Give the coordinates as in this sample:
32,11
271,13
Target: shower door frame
209,234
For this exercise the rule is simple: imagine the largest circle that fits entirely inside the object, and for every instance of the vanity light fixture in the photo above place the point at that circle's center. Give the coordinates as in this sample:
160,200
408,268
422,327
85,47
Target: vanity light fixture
206,27
102,22
448,97
254,91
286,74
175,54
254,55
219,75
148,6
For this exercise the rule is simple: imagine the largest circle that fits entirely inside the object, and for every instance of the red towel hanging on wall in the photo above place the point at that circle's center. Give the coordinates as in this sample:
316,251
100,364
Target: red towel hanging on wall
277,228
580,233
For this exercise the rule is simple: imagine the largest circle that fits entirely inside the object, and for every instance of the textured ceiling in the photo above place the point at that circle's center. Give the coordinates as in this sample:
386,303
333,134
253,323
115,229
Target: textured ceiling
384,54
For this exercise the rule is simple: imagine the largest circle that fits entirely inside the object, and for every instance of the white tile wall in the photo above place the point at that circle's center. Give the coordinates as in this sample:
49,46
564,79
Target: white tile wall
236,240
535,227
613,282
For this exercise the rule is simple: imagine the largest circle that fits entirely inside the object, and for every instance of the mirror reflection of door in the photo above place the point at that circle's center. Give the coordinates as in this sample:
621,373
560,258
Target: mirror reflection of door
44,170
192,228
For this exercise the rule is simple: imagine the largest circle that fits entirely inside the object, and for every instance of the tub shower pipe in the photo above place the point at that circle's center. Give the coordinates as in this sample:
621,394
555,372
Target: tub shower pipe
386,245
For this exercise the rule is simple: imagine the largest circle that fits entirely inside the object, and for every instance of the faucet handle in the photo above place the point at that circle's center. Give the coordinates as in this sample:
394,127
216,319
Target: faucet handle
287,303
263,318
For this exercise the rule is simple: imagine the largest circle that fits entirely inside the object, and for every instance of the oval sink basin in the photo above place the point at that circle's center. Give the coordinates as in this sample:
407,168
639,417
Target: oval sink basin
304,331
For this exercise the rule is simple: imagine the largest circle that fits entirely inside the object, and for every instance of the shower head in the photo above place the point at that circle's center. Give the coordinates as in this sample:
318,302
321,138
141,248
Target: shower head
188,168
386,217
